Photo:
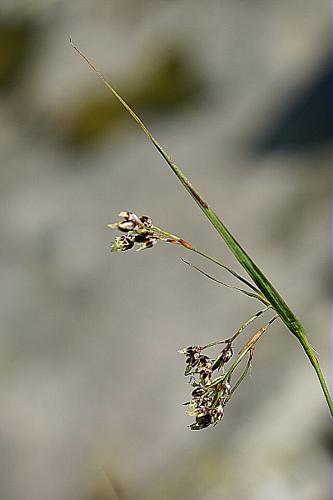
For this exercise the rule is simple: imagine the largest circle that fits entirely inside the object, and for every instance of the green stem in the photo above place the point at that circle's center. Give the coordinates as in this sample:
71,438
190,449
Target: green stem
231,271
188,246
246,292
239,331
243,375
315,363
248,322
226,376
248,347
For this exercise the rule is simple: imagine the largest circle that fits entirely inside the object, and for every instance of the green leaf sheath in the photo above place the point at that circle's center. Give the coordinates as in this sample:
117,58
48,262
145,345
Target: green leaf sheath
258,277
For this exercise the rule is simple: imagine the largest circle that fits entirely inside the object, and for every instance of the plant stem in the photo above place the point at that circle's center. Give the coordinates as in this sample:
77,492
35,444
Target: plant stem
258,277
188,246
243,375
231,271
239,331
287,316
245,349
249,294
248,322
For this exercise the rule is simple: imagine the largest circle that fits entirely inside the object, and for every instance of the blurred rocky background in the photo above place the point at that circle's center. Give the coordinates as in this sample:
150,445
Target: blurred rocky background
91,383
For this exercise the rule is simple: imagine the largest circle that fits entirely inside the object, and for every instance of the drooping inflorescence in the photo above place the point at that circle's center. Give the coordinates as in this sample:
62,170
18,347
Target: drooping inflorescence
207,402
208,399
212,384
210,395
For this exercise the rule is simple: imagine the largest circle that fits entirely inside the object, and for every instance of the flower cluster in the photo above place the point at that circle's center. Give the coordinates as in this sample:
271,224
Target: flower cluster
208,399
137,229
210,380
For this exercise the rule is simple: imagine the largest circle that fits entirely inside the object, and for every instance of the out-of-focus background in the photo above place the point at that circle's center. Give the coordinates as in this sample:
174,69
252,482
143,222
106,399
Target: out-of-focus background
91,383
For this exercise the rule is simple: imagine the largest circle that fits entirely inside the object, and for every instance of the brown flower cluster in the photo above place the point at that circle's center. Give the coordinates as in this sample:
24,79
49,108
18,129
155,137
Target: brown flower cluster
208,399
137,231
209,377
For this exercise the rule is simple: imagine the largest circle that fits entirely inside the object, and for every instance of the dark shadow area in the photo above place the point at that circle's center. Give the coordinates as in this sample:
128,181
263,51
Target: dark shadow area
16,45
305,121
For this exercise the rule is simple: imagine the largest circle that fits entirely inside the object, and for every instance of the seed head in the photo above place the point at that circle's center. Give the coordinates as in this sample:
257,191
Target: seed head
192,354
146,221
122,243
207,399
148,242
206,406
226,353
137,229
126,226
130,216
